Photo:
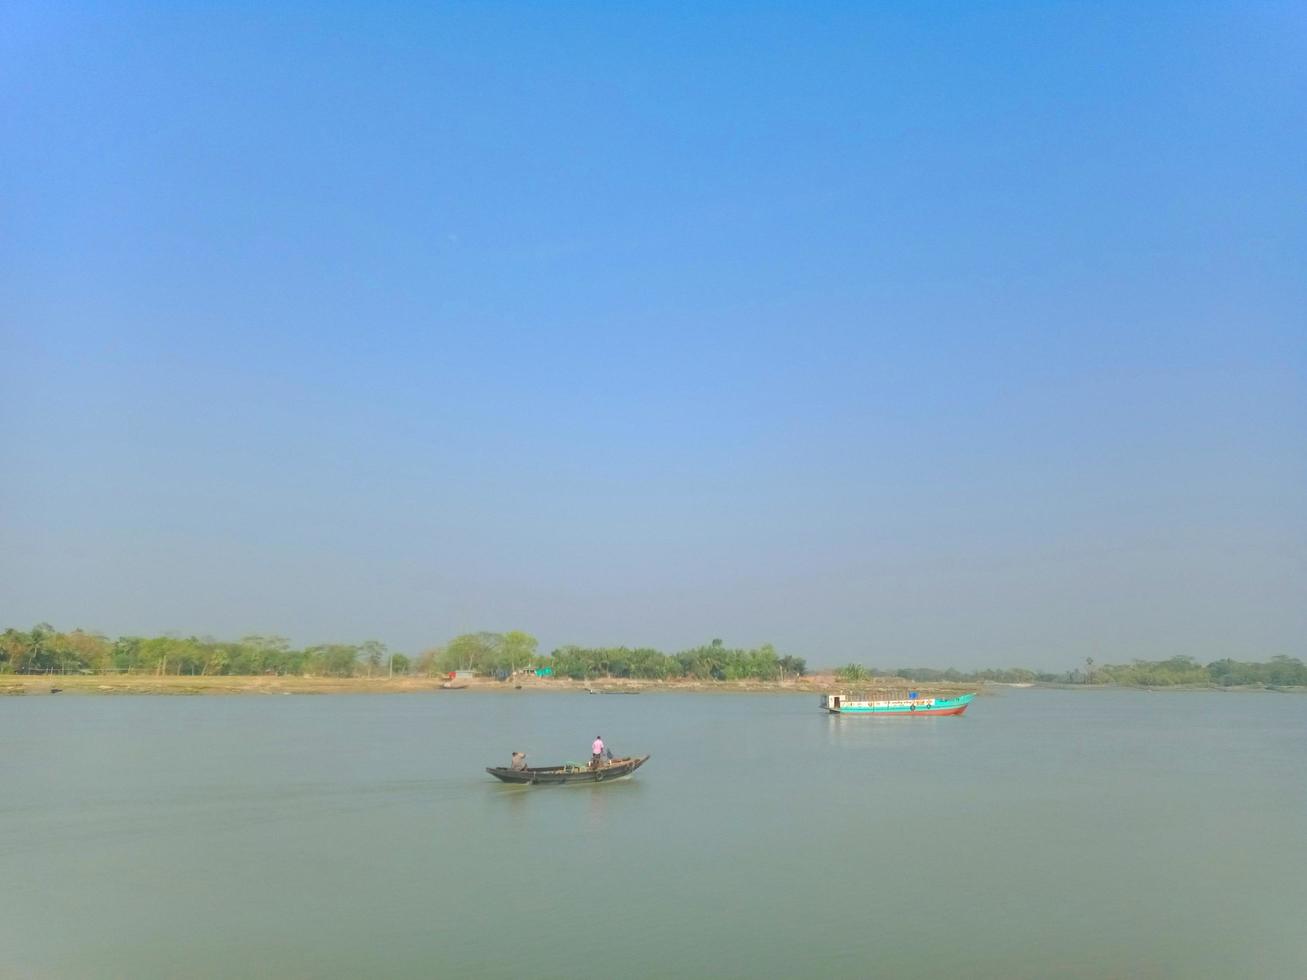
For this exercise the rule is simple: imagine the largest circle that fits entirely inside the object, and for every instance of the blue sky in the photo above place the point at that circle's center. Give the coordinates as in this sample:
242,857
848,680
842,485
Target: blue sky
911,333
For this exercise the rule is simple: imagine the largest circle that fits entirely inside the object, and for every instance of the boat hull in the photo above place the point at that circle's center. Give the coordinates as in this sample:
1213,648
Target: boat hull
903,708
559,775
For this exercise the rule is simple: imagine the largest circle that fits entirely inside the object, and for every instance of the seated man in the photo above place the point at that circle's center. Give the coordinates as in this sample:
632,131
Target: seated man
519,761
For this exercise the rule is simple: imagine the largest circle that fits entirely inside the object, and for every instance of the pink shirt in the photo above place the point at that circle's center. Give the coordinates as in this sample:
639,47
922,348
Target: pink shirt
598,747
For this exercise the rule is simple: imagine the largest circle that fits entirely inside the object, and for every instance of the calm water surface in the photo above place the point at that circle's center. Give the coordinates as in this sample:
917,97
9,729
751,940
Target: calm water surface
1044,834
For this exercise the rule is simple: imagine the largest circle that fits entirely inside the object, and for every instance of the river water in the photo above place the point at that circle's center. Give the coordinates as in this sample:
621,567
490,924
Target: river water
1043,834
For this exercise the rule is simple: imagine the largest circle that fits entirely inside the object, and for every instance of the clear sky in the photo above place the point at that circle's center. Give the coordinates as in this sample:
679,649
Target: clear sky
956,334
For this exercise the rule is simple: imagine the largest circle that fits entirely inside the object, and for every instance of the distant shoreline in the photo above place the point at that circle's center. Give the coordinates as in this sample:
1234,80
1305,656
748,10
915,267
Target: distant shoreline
175,685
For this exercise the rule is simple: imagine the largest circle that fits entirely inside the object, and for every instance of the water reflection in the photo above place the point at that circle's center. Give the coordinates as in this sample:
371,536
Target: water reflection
517,800
526,805
597,811
853,731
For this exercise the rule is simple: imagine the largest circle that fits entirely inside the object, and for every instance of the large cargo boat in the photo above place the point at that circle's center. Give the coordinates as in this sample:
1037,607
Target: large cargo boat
909,704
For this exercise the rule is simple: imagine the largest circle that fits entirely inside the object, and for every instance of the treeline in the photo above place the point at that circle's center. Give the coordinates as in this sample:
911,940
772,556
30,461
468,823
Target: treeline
44,649
713,661
1279,671
499,653
1009,675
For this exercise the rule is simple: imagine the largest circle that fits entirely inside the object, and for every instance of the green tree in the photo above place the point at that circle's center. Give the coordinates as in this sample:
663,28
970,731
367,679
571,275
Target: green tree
429,661
40,653
516,650
217,662
13,651
258,654
795,666
373,653
473,651
333,659
80,650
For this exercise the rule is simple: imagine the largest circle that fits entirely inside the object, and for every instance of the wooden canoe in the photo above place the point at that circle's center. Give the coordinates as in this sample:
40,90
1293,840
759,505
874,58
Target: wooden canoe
571,773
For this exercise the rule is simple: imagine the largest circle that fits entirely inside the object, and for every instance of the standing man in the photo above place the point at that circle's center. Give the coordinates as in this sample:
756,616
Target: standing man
597,752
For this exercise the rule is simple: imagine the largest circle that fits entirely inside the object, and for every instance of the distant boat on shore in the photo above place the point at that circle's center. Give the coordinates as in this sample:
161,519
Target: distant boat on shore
911,706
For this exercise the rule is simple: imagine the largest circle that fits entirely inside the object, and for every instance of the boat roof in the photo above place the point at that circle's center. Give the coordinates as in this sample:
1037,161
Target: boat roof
901,692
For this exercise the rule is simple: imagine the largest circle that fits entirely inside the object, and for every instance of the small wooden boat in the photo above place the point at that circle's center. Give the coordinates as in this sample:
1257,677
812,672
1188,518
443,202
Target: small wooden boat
571,772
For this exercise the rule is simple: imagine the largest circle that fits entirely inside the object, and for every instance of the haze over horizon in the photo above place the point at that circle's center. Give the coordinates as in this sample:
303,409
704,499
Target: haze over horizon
915,335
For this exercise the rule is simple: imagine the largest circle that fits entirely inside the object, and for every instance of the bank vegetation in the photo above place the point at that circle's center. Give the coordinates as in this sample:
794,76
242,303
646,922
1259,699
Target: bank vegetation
46,650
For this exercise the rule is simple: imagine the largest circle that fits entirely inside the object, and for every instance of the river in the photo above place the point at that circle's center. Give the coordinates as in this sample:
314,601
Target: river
1045,833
